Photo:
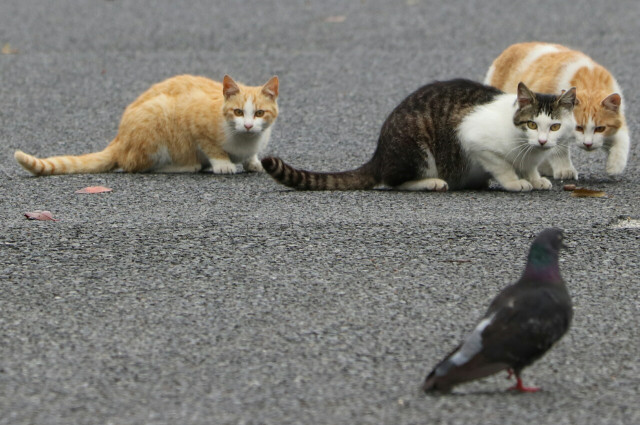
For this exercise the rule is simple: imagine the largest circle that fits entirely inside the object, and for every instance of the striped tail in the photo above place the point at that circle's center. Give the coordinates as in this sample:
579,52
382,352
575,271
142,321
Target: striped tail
97,162
358,179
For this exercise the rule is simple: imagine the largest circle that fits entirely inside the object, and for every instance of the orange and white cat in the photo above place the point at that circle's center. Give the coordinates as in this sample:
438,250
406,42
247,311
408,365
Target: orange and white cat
183,124
599,110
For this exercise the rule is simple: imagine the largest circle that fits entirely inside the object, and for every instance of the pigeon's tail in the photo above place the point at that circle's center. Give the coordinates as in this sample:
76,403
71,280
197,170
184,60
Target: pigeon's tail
432,383
362,178
449,373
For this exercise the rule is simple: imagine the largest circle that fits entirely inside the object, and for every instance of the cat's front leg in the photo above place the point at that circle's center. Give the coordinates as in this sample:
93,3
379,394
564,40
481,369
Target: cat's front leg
561,166
253,165
538,182
503,172
618,152
222,166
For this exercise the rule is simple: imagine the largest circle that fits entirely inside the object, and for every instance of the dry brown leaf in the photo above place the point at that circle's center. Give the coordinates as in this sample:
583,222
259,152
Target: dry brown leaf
8,50
95,189
336,19
40,215
582,192
569,187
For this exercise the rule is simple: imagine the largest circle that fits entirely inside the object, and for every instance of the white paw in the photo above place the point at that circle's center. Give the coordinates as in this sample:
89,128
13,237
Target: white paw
615,166
565,174
222,166
541,184
438,185
518,186
425,184
253,165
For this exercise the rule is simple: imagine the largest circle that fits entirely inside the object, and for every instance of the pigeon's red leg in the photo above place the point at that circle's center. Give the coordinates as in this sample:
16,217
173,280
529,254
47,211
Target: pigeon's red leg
520,387
510,373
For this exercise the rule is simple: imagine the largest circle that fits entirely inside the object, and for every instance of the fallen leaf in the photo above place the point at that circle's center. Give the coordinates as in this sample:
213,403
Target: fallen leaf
569,187
95,189
335,19
582,192
8,50
40,215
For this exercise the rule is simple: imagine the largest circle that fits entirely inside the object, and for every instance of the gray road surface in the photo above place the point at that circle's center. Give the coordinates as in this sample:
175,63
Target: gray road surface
200,299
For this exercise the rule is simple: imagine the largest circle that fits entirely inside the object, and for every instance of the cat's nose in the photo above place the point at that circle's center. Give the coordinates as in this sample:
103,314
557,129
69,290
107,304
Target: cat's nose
248,125
542,142
588,144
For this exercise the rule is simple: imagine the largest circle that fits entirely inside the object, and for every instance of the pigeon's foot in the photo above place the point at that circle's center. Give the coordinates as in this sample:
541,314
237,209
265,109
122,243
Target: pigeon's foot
521,388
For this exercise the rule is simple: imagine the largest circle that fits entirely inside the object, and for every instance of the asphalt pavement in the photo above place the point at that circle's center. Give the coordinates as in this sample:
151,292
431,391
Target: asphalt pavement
202,299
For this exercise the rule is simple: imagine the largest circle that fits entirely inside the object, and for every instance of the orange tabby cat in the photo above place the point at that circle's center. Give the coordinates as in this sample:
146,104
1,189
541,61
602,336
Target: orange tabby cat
599,110
182,124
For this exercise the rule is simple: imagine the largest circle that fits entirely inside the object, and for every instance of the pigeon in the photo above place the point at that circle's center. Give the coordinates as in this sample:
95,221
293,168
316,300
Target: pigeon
520,326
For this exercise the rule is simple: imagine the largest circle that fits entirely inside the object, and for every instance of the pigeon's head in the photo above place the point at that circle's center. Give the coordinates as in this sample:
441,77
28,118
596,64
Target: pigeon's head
551,239
545,248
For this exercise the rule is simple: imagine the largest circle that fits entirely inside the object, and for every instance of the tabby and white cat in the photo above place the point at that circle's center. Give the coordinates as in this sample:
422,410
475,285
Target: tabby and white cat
183,124
599,111
454,134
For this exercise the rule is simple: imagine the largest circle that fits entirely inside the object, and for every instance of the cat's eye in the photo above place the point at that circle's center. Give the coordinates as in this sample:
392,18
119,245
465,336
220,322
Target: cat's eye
580,128
259,113
555,127
238,112
600,129
532,125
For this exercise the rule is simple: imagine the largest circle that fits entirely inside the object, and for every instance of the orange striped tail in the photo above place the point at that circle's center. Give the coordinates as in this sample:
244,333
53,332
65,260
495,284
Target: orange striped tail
97,162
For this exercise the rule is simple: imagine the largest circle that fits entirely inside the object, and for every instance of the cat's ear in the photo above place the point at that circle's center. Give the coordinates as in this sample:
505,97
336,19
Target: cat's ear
612,102
229,87
271,88
525,96
568,98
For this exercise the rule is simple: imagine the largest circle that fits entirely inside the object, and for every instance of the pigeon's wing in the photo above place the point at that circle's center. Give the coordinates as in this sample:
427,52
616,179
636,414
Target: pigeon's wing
520,325
465,363
526,324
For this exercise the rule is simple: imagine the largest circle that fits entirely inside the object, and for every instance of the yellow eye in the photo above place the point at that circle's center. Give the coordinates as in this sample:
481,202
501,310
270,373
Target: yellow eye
555,127
532,125
580,128
600,129
259,113
238,112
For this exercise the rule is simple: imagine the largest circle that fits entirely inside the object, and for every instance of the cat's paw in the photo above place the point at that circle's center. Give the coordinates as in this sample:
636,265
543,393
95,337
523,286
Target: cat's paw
222,166
565,174
253,165
521,185
432,184
615,166
541,183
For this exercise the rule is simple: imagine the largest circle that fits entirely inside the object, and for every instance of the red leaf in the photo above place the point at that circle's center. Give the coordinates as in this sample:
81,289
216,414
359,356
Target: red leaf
40,215
95,189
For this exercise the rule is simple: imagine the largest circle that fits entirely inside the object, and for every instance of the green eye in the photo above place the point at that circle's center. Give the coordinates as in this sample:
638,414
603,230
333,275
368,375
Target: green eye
532,125
600,129
238,112
259,113
555,127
